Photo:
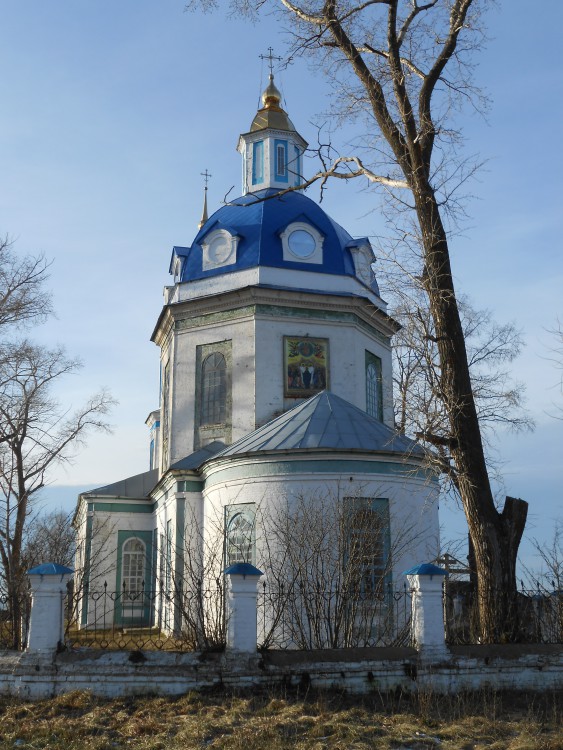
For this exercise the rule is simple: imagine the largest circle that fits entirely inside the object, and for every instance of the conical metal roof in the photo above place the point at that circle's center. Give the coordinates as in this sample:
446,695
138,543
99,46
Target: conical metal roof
325,421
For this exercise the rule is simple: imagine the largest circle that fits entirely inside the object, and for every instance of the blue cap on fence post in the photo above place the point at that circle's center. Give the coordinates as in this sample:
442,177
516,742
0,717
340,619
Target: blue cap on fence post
242,569
426,569
50,569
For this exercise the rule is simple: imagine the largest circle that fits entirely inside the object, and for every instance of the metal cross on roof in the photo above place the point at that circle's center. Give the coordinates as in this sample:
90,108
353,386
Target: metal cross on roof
270,57
206,176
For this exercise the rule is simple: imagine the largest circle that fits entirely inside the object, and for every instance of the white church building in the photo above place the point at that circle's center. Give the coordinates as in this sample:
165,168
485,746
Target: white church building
276,394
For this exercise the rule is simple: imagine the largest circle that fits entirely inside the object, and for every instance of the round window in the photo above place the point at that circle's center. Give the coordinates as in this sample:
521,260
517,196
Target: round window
219,249
301,243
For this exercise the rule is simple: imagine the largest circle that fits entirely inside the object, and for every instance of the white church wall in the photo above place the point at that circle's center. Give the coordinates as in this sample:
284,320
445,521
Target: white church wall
103,562
413,507
241,334
347,379
276,277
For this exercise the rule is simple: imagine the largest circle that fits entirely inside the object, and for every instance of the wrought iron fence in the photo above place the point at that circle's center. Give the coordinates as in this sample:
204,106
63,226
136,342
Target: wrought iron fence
14,621
538,615
183,619
294,618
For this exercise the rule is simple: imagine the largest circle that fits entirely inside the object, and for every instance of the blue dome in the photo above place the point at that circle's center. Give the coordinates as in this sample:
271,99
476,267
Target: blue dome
258,226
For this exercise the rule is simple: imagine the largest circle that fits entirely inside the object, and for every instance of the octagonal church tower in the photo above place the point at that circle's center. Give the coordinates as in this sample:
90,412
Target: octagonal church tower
272,303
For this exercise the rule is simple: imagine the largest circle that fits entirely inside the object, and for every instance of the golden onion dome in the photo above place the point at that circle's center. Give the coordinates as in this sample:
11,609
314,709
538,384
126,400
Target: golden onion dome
271,115
271,96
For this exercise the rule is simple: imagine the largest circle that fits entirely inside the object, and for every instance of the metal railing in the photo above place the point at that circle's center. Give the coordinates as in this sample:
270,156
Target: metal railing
294,618
147,619
537,615
14,626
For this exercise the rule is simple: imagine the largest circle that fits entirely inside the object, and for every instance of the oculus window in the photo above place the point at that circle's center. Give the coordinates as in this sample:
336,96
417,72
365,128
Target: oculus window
219,249
363,259
302,243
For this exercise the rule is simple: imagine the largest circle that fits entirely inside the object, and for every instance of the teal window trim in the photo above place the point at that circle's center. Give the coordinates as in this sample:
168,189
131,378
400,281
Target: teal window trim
280,157
189,485
257,162
374,386
111,507
138,611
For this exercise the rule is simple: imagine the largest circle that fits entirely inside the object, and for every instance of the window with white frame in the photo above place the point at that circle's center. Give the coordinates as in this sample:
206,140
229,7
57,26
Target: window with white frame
281,166
133,559
302,243
219,248
240,534
257,162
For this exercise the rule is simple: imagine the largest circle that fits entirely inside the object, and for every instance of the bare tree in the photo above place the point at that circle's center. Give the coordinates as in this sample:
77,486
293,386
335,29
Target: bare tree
419,409
23,298
556,357
548,577
328,560
49,537
36,435
404,67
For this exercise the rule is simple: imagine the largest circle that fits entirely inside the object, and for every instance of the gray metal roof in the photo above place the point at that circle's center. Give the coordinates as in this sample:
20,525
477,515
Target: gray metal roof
195,460
138,486
324,421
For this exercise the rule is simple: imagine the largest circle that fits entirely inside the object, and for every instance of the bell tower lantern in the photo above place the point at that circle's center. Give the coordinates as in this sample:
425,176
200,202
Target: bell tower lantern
272,151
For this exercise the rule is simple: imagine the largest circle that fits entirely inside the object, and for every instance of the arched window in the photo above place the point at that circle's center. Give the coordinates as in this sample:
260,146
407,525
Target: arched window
374,405
133,556
214,389
240,538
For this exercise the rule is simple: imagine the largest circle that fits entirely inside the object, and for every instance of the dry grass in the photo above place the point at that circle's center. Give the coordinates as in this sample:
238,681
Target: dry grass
277,721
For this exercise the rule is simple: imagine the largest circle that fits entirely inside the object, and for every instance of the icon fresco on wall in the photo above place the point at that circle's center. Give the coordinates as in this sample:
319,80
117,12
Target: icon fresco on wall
306,366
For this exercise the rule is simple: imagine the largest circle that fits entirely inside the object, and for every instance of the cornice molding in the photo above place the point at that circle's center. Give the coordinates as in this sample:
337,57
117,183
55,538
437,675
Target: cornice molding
248,301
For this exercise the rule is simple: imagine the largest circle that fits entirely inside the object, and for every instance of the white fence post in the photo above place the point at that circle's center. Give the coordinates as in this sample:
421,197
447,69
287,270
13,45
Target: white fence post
426,582
242,591
48,588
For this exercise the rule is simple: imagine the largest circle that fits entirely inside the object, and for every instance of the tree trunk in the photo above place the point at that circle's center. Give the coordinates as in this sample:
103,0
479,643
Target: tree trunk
16,615
495,536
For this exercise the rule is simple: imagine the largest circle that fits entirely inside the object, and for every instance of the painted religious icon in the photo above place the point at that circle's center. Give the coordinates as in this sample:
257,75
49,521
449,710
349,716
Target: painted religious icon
306,366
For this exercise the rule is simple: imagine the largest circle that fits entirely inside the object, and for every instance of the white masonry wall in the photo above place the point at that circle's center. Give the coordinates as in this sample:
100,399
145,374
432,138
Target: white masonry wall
361,671
347,378
413,505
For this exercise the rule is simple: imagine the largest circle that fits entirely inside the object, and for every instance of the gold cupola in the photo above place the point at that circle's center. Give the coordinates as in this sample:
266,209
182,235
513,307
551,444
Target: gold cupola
272,149
271,115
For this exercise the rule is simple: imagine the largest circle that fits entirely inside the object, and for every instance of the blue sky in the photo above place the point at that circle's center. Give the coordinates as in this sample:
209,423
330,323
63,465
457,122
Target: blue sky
110,112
